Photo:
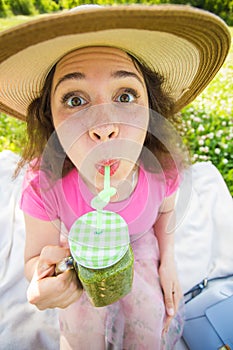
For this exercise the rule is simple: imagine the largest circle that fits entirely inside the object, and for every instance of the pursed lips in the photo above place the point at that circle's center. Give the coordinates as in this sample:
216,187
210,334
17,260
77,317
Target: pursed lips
112,163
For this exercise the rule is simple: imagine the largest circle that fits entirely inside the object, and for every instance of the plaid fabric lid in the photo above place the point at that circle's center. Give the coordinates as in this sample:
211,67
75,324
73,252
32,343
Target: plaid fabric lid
99,239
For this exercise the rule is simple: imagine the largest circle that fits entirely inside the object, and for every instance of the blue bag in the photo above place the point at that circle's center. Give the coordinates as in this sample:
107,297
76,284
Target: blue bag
209,315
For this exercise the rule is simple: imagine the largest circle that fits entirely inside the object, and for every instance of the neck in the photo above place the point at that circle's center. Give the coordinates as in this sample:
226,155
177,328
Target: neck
126,187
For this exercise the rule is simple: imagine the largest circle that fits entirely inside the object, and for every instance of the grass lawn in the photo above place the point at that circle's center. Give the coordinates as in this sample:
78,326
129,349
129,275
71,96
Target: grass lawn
12,21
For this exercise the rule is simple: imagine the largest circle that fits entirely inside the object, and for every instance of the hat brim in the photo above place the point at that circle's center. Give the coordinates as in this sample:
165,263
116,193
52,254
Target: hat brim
187,46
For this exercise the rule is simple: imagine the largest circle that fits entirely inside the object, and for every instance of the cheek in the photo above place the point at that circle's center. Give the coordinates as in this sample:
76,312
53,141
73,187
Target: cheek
134,134
77,151
59,115
55,114
58,119
137,124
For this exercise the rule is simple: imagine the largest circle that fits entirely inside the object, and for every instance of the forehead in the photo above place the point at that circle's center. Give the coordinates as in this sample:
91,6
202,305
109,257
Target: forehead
90,56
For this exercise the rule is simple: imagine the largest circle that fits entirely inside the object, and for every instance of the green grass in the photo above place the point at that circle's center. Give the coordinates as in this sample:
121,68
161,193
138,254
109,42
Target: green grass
12,131
6,23
208,121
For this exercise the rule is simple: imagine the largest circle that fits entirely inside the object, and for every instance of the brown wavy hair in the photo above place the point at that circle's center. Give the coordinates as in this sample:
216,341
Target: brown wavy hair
41,133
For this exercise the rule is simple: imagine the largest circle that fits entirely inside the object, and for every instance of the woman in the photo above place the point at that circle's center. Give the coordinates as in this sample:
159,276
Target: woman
92,99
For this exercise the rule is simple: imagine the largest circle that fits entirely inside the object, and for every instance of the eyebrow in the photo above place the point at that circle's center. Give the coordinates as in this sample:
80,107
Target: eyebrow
80,76
126,74
70,76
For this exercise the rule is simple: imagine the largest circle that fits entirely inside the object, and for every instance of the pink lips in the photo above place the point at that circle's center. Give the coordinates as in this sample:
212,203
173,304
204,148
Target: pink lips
113,163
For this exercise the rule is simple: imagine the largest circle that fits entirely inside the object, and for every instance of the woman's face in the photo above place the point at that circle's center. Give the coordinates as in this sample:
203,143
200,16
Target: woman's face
100,111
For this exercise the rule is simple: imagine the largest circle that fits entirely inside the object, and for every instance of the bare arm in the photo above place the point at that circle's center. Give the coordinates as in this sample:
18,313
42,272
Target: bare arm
164,230
42,252
39,234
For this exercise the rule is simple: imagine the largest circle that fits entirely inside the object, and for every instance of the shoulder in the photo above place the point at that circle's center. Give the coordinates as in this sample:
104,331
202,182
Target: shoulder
37,177
166,181
42,196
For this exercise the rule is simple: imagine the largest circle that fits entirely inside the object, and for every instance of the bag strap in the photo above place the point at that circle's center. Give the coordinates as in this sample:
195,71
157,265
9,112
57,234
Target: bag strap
198,288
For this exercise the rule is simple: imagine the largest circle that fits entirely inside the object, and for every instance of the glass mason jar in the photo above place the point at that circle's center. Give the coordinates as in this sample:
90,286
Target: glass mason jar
103,258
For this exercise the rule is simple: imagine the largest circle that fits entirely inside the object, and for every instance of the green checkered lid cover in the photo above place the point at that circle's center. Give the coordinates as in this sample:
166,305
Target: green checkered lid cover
96,248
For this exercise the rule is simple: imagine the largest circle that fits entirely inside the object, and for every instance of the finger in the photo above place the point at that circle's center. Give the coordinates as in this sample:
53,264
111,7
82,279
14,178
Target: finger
167,323
169,303
53,292
68,289
73,293
170,308
44,289
54,254
50,255
176,301
177,296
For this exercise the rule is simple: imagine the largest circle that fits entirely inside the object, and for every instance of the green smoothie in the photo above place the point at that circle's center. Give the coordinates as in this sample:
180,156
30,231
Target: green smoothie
107,285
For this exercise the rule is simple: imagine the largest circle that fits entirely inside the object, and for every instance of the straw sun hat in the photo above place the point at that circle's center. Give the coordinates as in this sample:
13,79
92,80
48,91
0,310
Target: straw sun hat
185,45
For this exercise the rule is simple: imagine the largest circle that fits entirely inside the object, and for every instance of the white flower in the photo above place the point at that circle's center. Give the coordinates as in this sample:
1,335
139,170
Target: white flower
201,128
201,142
203,157
217,151
219,133
197,119
204,149
225,161
210,135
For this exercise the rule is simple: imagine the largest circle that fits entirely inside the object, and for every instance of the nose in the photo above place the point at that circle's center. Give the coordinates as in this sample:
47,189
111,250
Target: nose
104,132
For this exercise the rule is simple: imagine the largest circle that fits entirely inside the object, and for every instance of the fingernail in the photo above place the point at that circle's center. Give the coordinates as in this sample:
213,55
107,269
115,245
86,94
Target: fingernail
170,311
44,267
42,270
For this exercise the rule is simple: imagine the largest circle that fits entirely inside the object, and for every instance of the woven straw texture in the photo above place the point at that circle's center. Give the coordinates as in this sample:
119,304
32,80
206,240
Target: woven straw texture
186,45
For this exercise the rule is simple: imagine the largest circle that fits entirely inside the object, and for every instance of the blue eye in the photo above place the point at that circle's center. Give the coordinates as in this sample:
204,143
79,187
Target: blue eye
75,101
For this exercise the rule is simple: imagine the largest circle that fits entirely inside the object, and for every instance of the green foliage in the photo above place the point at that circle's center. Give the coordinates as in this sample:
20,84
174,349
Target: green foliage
12,135
223,8
46,6
4,9
68,4
23,7
208,123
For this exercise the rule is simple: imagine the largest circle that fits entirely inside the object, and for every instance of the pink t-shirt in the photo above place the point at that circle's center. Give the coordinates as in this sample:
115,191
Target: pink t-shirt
69,198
